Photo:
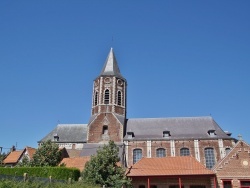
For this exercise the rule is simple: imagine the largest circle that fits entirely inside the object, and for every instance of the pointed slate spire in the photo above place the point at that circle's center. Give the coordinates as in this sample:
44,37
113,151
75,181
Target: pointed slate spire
111,67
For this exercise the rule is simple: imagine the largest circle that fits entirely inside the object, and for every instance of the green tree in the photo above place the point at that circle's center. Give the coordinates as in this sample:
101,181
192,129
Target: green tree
103,169
25,162
2,156
48,154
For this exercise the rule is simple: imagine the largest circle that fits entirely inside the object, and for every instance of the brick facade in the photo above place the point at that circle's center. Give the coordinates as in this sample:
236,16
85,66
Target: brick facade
235,167
163,182
97,132
149,150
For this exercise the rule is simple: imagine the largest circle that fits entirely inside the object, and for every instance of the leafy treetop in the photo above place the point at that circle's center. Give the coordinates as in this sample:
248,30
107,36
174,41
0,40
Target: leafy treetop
103,169
48,154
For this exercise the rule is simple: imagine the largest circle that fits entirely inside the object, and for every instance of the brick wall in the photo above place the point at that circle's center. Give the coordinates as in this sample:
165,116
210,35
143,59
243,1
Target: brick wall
235,167
115,129
163,182
176,150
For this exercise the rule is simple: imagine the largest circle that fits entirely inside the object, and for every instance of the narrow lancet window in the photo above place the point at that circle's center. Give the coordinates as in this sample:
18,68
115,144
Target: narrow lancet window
106,97
119,98
96,98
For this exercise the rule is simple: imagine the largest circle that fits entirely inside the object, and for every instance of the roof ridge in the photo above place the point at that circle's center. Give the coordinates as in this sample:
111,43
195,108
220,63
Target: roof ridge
184,117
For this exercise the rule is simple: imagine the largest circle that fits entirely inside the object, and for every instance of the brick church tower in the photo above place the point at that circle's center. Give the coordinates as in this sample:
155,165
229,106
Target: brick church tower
108,113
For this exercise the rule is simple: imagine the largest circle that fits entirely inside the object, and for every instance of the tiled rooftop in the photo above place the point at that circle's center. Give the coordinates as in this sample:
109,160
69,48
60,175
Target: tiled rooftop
77,162
168,166
31,151
13,157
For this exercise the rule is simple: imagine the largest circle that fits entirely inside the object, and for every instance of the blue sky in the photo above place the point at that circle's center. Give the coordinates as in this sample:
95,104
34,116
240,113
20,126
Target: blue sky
180,58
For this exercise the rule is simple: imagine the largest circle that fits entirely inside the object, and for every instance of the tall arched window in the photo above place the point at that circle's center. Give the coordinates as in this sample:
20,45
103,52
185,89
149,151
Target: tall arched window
184,152
96,98
209,156
137,155
119,98
106,97
160,152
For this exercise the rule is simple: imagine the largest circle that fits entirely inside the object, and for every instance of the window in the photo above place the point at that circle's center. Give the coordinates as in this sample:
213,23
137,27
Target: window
96,98
105,129
227,184
160,152
227,150
106,97
166,134
184,152
137,155
245,184
130,135
56,137
209,157
211,133
119,98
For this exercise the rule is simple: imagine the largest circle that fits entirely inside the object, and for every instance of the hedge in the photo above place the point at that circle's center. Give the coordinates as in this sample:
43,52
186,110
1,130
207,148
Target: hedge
59,173
15,184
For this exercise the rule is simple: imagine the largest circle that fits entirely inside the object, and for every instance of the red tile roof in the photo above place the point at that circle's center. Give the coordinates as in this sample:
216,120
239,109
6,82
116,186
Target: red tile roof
13,157
30,151
77,162
168,166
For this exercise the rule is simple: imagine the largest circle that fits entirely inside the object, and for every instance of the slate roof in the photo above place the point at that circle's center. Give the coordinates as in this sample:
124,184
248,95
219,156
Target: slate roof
179,127
120,118
77,162
73,152
91,149
168,166
73,133
110,67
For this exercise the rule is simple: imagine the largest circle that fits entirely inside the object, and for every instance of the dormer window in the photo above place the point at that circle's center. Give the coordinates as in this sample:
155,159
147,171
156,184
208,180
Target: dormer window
166,134
228,133
130,135
56,137
211,133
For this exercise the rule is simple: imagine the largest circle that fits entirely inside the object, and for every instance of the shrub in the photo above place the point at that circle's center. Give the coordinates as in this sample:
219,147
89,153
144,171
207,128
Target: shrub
59,173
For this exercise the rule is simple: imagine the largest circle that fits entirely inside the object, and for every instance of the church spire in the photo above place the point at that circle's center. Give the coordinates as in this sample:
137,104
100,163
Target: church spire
109,100
110,67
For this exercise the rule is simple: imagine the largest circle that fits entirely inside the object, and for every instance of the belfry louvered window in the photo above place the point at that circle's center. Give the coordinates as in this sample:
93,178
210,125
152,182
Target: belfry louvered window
184,152
210,158
119,98
96,98
106,97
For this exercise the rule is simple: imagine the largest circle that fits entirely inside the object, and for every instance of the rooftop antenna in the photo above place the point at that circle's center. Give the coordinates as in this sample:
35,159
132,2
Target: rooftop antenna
240,137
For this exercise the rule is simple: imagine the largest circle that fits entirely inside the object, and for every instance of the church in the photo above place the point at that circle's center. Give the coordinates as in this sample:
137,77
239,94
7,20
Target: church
199,137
